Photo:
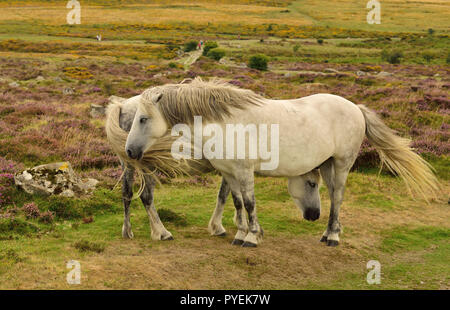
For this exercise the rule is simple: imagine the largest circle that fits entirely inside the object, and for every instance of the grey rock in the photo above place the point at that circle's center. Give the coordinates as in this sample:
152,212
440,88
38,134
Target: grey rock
330,70
97,110
68,91
54,179
384,74
14,84
360,73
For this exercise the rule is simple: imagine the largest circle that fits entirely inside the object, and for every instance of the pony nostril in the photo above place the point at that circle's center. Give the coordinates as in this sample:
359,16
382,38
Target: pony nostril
311,214
129,153
139,155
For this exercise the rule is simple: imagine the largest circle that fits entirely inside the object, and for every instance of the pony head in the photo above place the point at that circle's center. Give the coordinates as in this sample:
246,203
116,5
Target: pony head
304,190
148,126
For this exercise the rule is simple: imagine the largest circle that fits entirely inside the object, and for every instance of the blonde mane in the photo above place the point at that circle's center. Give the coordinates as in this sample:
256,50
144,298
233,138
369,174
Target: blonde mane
213,100
157,159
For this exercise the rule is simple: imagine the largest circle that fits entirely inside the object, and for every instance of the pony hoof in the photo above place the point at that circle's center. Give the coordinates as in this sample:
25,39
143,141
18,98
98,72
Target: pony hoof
332,243
168,239
247,244
237,242
323,239
222,234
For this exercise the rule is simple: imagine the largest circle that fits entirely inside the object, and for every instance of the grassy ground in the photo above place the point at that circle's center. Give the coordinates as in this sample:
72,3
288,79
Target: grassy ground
409,238
40,123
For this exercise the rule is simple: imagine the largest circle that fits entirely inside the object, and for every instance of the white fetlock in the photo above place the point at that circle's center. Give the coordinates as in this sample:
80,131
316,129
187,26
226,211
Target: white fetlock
161,235
127,233
216,229
240,235
252,239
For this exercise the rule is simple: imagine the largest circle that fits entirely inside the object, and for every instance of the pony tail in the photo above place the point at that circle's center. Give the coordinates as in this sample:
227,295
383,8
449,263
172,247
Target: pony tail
399,157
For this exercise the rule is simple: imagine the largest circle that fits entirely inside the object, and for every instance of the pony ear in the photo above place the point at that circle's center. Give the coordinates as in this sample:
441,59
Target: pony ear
186,81
156,98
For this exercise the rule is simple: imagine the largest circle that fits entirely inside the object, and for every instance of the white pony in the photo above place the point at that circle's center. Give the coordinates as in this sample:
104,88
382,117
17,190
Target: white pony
321,132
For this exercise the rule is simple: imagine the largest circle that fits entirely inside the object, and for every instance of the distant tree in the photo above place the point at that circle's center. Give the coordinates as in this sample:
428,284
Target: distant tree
258,62
392,57
216,53
190,46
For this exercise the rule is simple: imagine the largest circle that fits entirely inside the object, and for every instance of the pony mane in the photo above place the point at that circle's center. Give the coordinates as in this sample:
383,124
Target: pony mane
213,100
156,160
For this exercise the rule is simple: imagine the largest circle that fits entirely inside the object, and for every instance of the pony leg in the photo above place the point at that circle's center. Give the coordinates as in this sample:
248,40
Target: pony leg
158,231
239,219
127,194
255,232
335,179
215,226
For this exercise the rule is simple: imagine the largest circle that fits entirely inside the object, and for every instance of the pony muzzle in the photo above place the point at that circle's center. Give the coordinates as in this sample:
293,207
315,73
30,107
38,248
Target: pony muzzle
311,214
134,153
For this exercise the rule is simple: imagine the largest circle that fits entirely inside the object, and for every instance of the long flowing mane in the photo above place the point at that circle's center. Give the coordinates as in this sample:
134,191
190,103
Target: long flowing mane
213,100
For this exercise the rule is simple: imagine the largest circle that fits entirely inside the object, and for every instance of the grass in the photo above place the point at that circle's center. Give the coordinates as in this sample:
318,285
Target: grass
185,209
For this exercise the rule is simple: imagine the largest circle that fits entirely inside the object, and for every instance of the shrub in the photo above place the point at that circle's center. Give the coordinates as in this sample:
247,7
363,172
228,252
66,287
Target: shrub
448,58
320,41
209,46
296,48
46,217
7,170
88,246
190,46
31,210
258,62
430,31
392,57
216,53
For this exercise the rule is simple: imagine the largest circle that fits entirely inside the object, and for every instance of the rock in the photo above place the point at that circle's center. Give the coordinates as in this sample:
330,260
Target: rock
58,79
360,73
158,75
310,86
14,84
288,74
97,110
68,91
330,70
54,179
384,74
40,78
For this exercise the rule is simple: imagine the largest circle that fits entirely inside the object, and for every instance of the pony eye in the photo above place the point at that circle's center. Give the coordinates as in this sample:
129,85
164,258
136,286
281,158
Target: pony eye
312,184
143,120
